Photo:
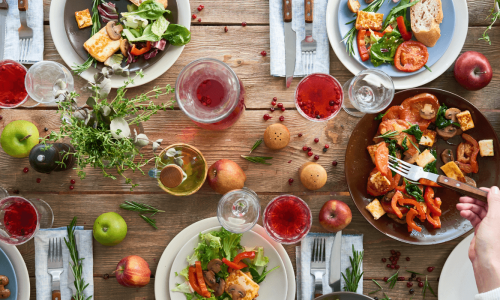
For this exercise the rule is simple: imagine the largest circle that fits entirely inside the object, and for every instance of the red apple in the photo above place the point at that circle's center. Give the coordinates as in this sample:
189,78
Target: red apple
473,70
133,271
225,175
335,215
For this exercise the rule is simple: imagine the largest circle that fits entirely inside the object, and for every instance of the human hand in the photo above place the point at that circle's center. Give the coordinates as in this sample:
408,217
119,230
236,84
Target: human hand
484,250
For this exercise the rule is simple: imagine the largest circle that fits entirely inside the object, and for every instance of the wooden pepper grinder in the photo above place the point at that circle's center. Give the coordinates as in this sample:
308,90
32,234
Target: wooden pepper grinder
45,160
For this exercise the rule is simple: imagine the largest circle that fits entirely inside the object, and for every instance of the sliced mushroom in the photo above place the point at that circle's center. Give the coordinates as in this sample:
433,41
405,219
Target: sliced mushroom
388,197
124,45
447,132
451,113
427,112
464,152
114,31
353,5
236,291
410,156
470,181
214,265
447,156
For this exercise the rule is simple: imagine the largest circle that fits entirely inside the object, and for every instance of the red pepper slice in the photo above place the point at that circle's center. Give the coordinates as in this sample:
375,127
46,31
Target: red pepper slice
473,157
409,220
434,220
417,206
394,203
193,281
382,159
431,203
402,28
136,51
233,265
363,52
402,187
201,281
428,182
411,56
243,255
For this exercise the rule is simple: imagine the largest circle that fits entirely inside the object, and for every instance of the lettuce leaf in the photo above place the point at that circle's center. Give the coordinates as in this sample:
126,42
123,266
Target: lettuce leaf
182,288
260,260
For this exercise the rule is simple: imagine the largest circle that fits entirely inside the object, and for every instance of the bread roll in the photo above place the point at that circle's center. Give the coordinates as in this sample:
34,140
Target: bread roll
426,16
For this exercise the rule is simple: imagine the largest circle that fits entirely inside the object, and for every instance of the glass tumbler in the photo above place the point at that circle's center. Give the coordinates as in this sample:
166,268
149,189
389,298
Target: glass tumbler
239,210
12,89
45,78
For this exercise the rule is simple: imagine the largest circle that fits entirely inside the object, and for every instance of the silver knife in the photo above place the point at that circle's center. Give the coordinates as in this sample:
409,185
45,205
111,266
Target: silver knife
290,39
335,263
4,8
71,277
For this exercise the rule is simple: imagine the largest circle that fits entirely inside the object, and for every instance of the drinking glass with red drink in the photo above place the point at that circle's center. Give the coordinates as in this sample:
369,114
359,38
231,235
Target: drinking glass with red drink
319,97
20,219
12,90
210,93
287,219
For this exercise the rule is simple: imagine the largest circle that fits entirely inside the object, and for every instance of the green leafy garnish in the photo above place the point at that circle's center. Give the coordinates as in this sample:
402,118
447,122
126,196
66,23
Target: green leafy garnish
414,272
177,35
388,135
431,167
354,272
142,208
380,116
404,144
392,280
384,50
393,148
415,131
258,278
149,9
441,121
414,191
494,17
399,10
257,144
427,286
428,69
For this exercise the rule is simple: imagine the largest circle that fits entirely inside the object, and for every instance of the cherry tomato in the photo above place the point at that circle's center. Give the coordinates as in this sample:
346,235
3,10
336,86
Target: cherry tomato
382,159
410,56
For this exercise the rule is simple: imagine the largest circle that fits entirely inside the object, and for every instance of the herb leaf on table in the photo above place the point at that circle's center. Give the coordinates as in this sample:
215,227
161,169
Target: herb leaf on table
257,144
392,280
353,274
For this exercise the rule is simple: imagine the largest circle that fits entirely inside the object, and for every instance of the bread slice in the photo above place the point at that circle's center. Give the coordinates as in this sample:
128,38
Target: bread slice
163,2
426,16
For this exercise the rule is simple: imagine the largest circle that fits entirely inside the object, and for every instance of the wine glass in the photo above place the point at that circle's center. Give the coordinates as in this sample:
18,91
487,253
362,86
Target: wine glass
371,91
239,210
45,78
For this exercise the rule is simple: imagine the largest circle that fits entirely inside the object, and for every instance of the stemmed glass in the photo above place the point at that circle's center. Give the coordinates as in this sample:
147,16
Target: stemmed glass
239,210
371,91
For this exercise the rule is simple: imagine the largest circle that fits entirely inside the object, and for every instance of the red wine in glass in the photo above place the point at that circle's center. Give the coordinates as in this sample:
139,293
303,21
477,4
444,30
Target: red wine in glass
12,90
287,219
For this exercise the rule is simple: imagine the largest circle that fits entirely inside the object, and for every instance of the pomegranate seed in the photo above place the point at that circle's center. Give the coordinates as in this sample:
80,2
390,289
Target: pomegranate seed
263,53
244,24
334,163
419,279
310,153
16,192
73,181
71,187
393,252
199,20
289,161
267,117
327,146
393,267
26,170
38,180
290,181
430,269
409,284
283,108
420,284
412,291
282,118
194,16
309,148
384,259
200,8
316,157
225,29
386,279
273,103
389,266
401,278
271,109
304,148
1,117
398,253
300,134
407,259
275,98
316,140
280,105
397,267
332,103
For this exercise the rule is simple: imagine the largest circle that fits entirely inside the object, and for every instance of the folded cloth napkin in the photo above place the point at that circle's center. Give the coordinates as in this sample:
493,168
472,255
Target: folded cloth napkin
34,17
43,279
305,281
277,35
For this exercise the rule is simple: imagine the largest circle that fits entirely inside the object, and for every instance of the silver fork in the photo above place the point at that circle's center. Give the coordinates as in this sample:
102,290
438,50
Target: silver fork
308,45
416,173
55,266
25,33
318,264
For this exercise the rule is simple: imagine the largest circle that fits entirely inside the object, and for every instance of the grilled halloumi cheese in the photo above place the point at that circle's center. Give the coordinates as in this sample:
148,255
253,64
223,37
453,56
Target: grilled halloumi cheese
138,2
101,46
83,18
369,20
251,288
376,209
380,182
486,148
465,120
425,158
428,138
453,171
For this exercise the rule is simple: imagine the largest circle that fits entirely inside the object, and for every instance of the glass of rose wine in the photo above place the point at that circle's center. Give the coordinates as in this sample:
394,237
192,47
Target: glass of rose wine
287,219
12,90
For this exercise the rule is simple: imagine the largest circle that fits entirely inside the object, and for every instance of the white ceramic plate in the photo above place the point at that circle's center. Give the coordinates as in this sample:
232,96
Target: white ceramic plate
165,264
23,279
457,278
401,83
271,288
70,57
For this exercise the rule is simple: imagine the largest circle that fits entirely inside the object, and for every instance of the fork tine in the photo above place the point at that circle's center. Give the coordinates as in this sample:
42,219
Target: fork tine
312,252
397,171
324,245
400,161
59,254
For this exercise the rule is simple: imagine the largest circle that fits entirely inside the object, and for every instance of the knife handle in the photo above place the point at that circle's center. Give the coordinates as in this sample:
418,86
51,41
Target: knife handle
56,295
308,5
463,188
287,10
4,4
23,5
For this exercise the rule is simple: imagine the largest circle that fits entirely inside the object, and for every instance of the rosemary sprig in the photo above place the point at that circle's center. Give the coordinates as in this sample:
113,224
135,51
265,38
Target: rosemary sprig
258,159
353,274
392,280
494,17
377,283
76,262
386,297
150,221
388,135
142,208
257,144
427,286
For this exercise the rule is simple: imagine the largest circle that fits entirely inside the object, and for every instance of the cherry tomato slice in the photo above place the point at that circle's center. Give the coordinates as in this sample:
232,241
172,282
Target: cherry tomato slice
411,56
382,159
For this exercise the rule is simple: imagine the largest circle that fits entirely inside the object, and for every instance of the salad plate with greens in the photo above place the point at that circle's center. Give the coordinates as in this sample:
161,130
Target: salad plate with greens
219,265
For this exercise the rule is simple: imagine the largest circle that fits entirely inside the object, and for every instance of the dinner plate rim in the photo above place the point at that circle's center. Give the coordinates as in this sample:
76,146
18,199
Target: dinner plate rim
413,81
20,269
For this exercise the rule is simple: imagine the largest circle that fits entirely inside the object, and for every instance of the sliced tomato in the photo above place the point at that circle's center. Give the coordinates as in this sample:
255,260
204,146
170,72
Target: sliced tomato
392,113
427,182
473,158
395,202
390,125
201,281
431,203
363,51
382,159
410,109
411,56
411,223
417,206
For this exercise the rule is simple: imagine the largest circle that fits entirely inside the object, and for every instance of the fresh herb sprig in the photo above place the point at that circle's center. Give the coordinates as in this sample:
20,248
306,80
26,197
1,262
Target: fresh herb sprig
258,159
414,191
426,287
392,280
494,17
388,135
76,263
353,274
415,131
379,287
142,208
380,116
257,144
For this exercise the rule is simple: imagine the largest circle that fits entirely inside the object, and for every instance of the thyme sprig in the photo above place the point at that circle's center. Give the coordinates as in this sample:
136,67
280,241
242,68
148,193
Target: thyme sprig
257,144
142,208
258,159
494,17
76,262
354,273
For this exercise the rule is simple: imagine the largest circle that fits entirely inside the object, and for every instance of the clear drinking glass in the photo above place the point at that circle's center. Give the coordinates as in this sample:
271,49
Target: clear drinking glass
239,210
371,91
45,78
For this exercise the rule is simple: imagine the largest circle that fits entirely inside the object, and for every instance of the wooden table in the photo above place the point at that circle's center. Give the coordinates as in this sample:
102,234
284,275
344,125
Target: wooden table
240,47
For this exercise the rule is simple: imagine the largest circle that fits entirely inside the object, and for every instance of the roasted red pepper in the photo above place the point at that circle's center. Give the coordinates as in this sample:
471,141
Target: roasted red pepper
417,206
428,182
411,223
394,204
243,255
382,159
431,203
201,281
141,51
402,28
193,281
434,220
402,187
234,266
363,52
473,157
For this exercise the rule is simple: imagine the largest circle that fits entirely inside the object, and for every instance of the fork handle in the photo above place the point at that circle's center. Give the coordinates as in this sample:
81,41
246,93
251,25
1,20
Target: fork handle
22,4
463,188
308,6
56,295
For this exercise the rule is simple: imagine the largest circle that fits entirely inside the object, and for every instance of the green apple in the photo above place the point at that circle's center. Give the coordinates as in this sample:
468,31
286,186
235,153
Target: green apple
18,138
110,229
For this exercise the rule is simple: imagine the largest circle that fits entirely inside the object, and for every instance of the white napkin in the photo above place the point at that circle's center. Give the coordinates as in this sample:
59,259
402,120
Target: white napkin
34,17
43,279
277,35
305,281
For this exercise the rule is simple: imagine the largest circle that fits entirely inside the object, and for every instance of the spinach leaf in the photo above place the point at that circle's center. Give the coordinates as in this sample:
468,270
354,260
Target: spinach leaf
441,121
384,50
404,144
431,167
149,9
258,278
381,115
177,35
147,35
414,191
160,26
415,131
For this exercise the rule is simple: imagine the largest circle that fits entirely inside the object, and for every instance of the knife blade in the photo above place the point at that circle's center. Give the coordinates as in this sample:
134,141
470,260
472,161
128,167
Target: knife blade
290,42
335,270
71,277
4,8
